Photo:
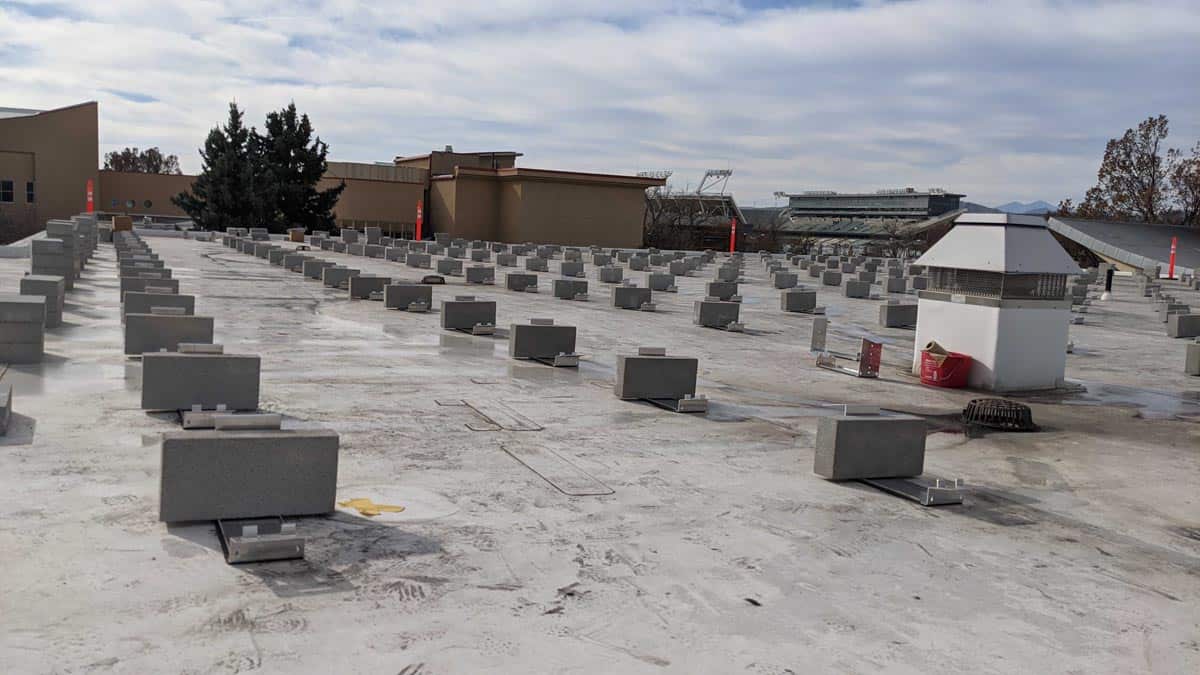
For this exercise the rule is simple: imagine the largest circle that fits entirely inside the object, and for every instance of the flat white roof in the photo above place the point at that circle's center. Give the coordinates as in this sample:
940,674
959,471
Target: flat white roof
716,548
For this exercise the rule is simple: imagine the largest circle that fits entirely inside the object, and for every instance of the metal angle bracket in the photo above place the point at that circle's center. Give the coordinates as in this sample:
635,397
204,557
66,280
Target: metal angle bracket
924,491
868,359
560,361
201,418
689,404
246,540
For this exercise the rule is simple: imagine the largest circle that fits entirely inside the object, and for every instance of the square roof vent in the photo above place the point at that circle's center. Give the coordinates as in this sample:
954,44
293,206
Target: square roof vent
1000,242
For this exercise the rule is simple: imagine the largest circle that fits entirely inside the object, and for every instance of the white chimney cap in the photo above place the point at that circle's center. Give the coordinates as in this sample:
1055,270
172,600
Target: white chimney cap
1000,242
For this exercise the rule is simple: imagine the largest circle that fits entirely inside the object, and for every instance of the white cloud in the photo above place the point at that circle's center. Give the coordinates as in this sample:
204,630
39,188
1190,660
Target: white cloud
1002,101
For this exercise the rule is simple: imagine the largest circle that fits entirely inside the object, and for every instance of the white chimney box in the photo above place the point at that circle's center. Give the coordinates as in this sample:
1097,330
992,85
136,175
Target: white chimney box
998,293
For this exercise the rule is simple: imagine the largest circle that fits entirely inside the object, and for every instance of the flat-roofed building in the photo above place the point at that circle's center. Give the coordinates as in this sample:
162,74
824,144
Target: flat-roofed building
47,158
378,195
443,162
554,207
481,195
900,204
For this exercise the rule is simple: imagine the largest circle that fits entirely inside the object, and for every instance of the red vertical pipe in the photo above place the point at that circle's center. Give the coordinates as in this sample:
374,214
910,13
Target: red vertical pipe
1171,266
732,234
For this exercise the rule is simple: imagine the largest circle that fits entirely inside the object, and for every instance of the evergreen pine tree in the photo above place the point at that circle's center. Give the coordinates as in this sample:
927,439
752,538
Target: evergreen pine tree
227,191
293,163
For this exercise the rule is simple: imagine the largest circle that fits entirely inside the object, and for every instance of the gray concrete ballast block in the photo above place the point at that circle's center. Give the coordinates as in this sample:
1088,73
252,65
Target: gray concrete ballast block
363,285
661,377
466,314
798,300
22,328
334,277
661,281
158,332
721,290
173,381
715,313
857,289
630,297
1183,325
851,447
400,296
897,316
141,303
51,287
210,475
569,289
536,340
520,281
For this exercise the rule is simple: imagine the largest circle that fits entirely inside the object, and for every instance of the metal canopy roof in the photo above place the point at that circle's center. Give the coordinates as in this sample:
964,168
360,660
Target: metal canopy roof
1135,244
6,113
1000,242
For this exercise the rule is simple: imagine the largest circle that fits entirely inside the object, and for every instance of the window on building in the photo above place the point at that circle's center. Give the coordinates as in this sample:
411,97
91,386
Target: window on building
6,191
116,203
29,195
148,203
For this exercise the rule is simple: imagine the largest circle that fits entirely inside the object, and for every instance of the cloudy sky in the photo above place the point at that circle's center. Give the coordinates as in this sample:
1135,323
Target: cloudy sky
1000,100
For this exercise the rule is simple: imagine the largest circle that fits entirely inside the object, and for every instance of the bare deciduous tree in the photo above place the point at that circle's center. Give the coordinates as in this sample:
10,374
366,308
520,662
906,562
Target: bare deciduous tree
1183,178
672,223
150,160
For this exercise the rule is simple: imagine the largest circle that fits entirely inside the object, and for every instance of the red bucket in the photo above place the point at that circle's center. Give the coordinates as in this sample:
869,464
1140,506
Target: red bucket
945,369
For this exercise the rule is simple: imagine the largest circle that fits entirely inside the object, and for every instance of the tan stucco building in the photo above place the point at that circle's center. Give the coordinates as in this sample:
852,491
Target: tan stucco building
375,195
46,160
553,207
477,195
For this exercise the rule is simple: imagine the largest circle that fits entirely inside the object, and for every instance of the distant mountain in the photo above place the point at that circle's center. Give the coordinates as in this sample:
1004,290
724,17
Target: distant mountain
972,207
1032,208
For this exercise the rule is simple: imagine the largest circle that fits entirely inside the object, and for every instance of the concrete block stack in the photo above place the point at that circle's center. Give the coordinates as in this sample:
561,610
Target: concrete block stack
22,328
51,287
54,257
279,472
89,232
69,231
